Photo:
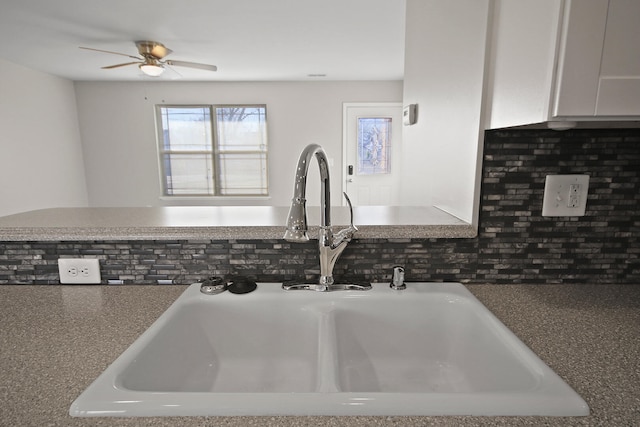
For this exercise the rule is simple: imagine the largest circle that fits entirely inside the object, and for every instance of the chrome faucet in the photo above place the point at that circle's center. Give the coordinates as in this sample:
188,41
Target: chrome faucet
330,245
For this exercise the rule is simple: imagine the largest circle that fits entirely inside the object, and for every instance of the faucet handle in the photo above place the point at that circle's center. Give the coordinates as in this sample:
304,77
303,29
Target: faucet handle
353,227
345,235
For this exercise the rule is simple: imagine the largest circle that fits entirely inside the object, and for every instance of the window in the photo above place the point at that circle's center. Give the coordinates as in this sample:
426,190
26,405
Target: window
374,145
213,150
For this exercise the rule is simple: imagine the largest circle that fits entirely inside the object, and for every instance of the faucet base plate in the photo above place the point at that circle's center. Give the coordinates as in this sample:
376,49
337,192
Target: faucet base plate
293,286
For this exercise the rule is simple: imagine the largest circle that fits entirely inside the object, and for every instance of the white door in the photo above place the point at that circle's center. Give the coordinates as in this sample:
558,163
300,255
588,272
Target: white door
371,152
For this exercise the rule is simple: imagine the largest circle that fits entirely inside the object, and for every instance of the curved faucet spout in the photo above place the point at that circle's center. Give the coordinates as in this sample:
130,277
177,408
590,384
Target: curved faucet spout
297,220
330,245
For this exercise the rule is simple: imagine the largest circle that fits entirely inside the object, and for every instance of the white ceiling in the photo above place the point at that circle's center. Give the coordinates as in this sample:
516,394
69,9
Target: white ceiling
249,40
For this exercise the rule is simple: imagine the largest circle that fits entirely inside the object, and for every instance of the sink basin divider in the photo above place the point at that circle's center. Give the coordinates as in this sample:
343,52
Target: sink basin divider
327,360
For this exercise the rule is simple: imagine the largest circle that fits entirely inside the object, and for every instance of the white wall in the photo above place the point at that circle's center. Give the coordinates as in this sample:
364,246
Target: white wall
445,49
524,38
40,152
117,125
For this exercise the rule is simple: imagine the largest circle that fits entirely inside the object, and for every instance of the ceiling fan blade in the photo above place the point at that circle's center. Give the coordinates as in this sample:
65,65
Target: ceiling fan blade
108,51
108,67
192,65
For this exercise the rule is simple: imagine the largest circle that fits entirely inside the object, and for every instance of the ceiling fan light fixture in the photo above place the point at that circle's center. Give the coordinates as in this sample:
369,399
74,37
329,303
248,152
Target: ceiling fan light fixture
152,70
150,60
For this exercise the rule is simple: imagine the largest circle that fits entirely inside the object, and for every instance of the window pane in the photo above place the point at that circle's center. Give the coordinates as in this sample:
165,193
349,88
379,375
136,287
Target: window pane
374,145
187,174
186,128
197,161
243,174
242,128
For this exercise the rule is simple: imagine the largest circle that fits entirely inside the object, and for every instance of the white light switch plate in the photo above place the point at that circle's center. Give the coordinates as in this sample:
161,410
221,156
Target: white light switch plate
565,195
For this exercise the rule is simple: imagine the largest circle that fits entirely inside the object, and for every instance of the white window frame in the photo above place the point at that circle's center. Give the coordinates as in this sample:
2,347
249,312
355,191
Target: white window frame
215,152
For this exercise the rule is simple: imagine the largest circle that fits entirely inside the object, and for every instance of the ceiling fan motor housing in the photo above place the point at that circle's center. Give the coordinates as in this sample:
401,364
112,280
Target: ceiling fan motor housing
150,49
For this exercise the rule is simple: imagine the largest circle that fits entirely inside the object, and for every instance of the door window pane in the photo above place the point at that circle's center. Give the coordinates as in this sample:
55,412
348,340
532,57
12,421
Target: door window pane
374,145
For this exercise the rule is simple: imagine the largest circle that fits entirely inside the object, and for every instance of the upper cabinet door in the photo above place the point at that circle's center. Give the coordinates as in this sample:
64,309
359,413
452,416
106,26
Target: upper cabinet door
598,60
578,56
619,80
524,39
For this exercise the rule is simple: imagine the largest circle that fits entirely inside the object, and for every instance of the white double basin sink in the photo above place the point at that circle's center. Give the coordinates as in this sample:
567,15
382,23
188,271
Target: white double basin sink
432,349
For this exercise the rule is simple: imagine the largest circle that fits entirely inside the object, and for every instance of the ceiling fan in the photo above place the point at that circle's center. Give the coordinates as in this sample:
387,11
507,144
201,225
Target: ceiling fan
151,60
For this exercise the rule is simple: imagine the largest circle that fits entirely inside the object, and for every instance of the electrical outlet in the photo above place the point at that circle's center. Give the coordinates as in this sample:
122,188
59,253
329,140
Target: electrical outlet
574,196
565,195
79,270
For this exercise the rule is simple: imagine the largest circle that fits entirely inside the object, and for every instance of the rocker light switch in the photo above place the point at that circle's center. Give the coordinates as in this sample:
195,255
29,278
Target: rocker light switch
565,195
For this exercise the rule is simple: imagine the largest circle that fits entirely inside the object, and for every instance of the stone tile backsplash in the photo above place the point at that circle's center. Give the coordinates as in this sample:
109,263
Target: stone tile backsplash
515,244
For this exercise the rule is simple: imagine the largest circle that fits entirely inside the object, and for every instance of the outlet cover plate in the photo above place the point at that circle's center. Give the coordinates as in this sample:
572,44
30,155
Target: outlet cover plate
565,195
84,271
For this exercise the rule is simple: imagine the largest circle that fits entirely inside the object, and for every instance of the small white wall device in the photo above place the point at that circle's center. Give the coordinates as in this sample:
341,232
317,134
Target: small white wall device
409,114
79,270
565,195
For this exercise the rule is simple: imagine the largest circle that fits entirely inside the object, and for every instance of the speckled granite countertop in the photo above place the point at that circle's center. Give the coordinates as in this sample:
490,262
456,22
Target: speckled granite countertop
222,222
55,340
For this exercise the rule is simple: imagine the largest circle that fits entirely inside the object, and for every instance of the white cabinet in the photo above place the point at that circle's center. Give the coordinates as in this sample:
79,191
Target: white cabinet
578,57
599,60
619,82
564,60
524,38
